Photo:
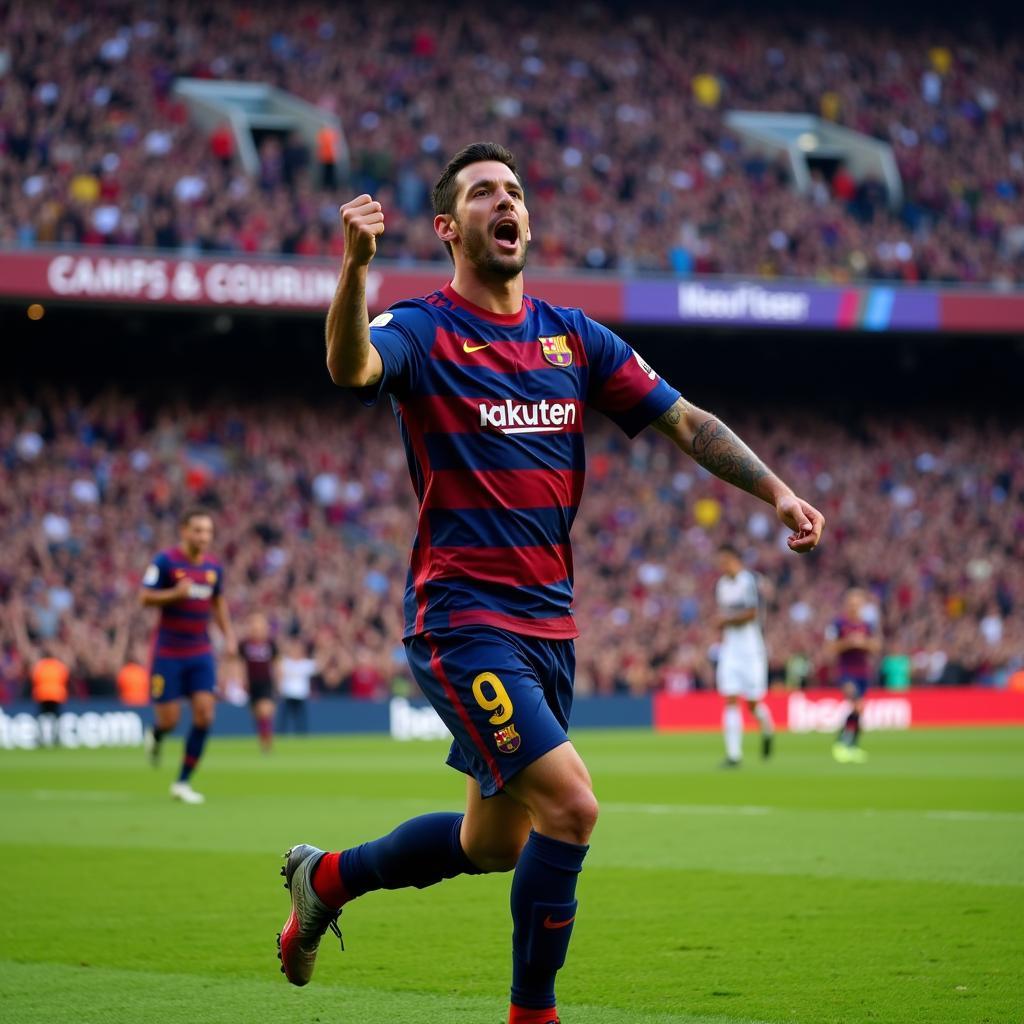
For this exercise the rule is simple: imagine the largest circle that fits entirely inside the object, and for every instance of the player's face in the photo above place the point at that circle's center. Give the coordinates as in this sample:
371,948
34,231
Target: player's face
492,219
197,534
728,563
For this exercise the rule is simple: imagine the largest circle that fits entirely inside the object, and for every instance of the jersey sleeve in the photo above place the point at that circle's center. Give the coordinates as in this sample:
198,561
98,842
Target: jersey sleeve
218,587
402,337
157,575
751,597
622,385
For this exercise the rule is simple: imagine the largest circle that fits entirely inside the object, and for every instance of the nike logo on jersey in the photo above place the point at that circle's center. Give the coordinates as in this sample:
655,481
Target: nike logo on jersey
466,347
548,923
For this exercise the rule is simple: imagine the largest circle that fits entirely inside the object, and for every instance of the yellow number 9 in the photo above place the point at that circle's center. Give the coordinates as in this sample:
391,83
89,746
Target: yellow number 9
499,703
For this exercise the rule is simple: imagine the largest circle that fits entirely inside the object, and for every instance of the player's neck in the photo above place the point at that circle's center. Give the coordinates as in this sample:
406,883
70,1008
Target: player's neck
502,297
191,554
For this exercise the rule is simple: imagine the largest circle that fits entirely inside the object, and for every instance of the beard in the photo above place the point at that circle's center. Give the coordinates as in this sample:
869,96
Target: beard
497,266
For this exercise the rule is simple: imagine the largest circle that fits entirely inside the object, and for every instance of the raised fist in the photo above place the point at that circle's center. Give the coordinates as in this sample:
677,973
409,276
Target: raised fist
363,220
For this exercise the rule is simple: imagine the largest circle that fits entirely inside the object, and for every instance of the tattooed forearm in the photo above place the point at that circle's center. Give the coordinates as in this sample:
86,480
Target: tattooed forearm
721,452
671,416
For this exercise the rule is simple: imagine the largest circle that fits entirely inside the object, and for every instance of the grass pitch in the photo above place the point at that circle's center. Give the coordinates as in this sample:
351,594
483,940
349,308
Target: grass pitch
793,891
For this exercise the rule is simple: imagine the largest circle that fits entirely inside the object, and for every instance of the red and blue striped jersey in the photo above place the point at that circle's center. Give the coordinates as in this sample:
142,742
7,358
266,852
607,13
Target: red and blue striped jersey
183,629
490,409
854,663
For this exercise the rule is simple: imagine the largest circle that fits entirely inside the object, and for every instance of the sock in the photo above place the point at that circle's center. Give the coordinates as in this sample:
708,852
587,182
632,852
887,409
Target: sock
159,734
851,730
265,728
193,751
420,852
732,726
764,716
522,1015
543,909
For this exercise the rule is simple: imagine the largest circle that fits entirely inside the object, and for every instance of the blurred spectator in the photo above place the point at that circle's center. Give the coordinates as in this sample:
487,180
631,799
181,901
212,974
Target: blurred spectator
617,113
295,675
50,692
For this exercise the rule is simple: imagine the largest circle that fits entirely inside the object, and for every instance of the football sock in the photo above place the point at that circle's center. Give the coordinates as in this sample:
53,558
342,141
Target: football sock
543,910
265,728
420,852
851,730
522,1015
193,751
764,716
159,734
732,727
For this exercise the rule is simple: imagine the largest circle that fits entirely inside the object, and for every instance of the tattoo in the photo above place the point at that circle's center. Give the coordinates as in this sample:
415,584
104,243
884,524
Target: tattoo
671,417
721,452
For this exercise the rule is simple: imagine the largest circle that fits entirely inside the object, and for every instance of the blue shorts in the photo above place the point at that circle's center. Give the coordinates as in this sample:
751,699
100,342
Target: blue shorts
173,678
504,697
857,683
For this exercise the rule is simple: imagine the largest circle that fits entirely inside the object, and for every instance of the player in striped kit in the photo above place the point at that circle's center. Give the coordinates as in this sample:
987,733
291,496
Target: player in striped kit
186,583
489,386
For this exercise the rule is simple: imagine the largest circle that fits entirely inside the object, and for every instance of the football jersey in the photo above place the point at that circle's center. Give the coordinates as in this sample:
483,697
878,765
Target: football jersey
735,594
259,658
490,410
183,629
854,663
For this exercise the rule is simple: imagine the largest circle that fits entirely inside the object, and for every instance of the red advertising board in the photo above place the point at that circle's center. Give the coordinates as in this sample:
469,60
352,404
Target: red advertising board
102,277
824,710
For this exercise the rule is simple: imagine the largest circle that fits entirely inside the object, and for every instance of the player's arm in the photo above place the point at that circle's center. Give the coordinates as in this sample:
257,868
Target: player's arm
150,597
711,444
737,618
222,617
351,360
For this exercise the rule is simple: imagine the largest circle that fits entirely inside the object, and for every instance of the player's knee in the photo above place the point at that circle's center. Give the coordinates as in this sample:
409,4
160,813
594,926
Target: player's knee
573,817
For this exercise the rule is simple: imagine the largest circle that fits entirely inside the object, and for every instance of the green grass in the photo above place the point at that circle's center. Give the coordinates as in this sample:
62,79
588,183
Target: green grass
797,891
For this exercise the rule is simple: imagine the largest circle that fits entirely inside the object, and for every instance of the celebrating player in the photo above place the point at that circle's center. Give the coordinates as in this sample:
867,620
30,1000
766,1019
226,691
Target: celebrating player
853,642
742,659
489,386
186,584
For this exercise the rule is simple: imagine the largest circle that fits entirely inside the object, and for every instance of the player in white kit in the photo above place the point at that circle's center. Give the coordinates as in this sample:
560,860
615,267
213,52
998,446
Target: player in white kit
742,659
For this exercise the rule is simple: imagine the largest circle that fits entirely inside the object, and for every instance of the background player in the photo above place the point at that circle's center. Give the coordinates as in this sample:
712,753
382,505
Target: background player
489,386
853,644
742,660
186,584
261,665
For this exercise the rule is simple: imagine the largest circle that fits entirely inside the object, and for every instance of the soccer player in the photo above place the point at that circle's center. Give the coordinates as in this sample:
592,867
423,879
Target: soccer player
853,643
742,659
260,655
489,386
187,585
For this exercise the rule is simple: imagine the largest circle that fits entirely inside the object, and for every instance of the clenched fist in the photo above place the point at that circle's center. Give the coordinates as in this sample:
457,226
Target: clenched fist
363,220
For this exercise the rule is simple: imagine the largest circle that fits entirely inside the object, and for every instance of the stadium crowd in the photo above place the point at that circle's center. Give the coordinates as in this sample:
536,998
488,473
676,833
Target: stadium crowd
617,114
314,515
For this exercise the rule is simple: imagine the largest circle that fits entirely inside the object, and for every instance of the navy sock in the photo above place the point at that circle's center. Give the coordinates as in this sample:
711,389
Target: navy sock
193,751
851,730
420,852
543,909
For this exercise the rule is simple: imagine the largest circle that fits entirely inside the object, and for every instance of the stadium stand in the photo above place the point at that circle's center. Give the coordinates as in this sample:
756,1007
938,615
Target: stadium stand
315,514
618,116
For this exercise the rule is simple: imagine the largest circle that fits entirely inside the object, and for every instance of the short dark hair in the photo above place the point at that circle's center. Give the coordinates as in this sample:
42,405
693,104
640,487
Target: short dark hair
728,549
444,196
194,512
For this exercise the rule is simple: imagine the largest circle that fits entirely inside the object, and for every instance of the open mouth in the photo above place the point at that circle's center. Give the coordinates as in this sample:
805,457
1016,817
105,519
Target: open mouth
506,234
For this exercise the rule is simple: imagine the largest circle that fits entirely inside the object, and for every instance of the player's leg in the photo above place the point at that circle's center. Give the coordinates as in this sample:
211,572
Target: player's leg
165,691
728,681
198,684
557,793
846,748
756,691
263,712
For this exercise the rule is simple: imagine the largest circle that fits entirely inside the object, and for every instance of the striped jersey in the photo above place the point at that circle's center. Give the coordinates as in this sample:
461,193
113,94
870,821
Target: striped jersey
183,629
854,663
490,409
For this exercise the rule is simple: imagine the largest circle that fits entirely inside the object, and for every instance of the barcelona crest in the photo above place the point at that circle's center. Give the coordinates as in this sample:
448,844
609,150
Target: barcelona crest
508,739
556,350
211,576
